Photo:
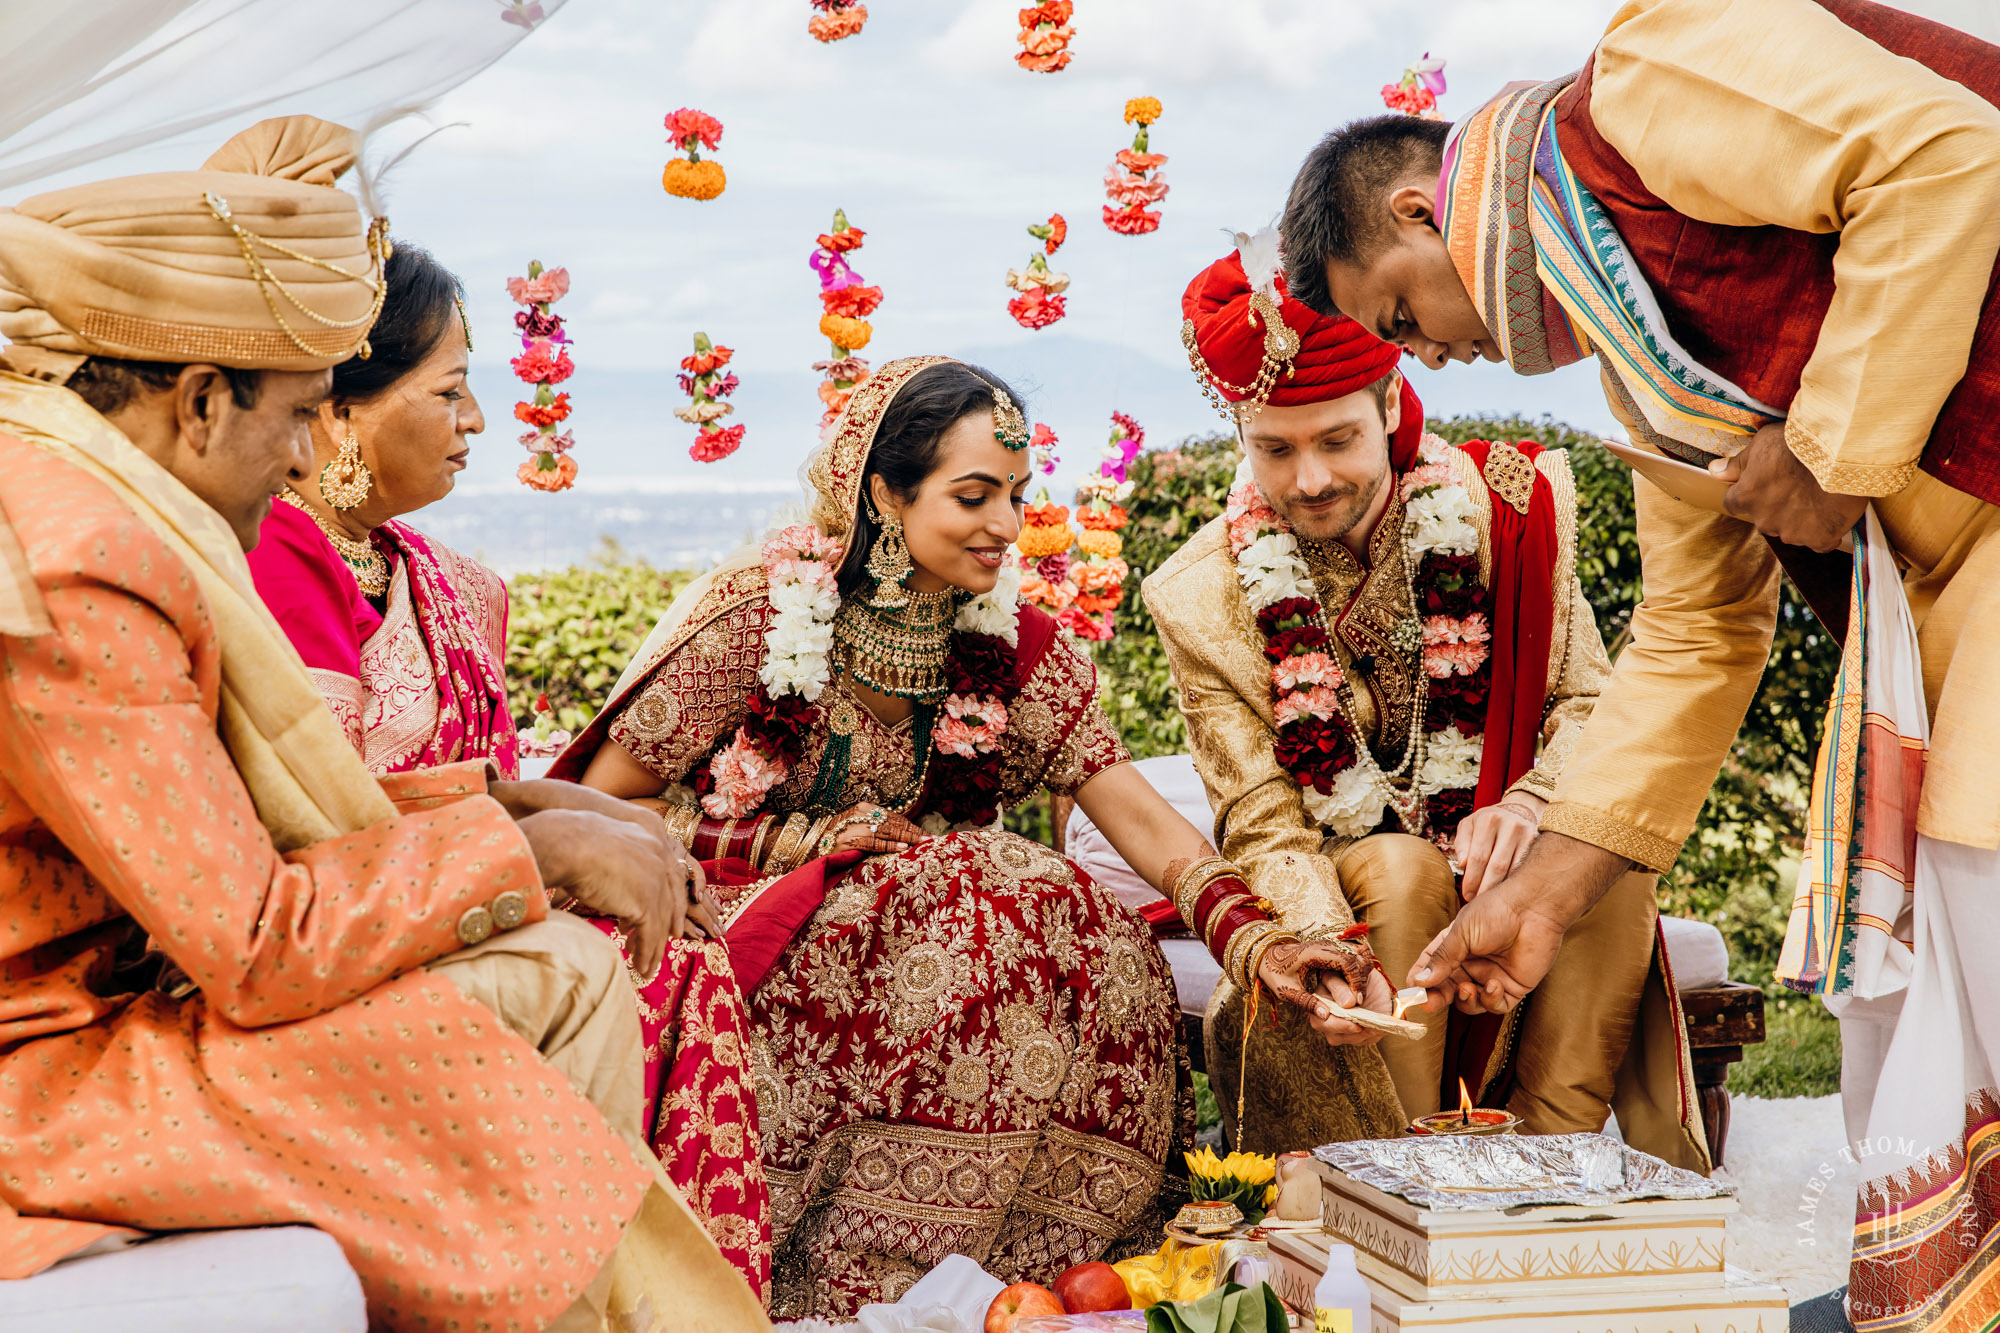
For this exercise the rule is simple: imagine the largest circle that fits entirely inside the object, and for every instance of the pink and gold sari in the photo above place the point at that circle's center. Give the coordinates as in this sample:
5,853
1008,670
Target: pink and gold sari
419,681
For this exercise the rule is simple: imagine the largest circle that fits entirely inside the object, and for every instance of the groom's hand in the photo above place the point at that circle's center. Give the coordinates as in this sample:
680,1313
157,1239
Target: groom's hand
1779,495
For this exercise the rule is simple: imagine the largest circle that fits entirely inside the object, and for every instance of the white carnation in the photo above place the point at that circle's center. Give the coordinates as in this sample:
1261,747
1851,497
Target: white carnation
934,824
1441,520
1452,760
992,613
804,674
806,598
793,635
1244,472
1271,570
1354,807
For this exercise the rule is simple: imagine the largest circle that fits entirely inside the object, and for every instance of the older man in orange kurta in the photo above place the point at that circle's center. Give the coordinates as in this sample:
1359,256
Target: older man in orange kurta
241,983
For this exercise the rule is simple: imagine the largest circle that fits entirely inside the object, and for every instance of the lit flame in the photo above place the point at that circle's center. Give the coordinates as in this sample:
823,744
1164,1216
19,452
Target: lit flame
1410,997
1464,1103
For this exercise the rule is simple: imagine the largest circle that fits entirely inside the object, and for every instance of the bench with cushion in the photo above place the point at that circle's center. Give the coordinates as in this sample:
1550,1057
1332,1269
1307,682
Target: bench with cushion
1723,1016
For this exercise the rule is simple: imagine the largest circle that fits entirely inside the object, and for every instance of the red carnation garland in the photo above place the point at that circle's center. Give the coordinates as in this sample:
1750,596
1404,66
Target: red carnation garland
1133,180
1040,302
846,301
544,361
835,20
1045,36
702,379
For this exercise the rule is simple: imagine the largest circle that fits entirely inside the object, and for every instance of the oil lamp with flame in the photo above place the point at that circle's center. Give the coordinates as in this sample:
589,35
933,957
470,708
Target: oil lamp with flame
1467,1119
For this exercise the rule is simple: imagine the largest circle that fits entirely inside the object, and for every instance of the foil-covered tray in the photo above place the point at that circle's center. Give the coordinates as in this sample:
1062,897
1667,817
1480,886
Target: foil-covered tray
1459,1174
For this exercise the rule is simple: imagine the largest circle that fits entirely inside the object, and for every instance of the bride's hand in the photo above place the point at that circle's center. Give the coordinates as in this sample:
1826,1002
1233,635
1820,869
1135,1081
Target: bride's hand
867,827
1293,970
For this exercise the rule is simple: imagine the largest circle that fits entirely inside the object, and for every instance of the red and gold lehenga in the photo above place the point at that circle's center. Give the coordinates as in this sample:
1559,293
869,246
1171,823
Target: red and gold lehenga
965,1048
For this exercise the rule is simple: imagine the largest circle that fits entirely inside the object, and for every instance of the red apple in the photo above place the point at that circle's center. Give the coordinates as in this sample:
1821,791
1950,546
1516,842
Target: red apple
1023,1300
1092,1286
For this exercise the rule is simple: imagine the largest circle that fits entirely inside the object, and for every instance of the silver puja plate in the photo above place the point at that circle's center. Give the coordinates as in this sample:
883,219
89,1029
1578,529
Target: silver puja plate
1459,1174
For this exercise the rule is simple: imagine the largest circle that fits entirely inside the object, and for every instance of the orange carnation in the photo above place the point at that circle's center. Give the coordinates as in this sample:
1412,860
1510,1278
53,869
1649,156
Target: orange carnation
558,478
853,334
1046,513
840,23
1091,603
851,302
1108,520
693,180
841,241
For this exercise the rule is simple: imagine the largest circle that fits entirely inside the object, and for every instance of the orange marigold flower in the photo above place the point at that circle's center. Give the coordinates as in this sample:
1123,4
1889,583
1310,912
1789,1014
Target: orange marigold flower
1106,520
1042,539
557,478
1145,110
693,180
1101,542
853,334
841,23
851,302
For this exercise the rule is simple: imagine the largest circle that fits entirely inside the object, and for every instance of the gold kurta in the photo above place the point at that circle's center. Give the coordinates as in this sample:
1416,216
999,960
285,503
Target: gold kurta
1826,131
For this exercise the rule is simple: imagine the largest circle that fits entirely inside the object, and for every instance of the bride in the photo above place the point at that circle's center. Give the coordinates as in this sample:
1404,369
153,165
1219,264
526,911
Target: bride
961,1044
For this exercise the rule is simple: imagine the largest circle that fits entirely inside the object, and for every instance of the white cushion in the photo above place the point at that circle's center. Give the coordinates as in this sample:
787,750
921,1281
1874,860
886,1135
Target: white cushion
245,1281
1696,951
1173,776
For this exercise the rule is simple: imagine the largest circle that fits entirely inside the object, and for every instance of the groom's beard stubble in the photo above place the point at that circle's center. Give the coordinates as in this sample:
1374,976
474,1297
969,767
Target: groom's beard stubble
1330,515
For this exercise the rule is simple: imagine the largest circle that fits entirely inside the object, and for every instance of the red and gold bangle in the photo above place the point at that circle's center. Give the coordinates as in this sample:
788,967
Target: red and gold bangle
682,821
1191,879
1217,892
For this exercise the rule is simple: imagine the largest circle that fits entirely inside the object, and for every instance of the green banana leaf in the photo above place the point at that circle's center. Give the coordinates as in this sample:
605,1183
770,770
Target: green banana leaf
1227,1309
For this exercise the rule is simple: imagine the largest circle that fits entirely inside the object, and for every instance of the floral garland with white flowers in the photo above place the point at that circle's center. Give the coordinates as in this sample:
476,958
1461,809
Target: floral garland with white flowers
802,566
1345,790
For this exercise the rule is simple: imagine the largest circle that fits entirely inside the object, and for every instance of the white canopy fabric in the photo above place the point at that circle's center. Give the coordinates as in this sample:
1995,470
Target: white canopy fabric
86,79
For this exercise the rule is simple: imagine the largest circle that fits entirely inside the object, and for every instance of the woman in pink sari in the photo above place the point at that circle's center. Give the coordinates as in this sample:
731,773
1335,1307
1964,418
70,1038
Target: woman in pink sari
406,639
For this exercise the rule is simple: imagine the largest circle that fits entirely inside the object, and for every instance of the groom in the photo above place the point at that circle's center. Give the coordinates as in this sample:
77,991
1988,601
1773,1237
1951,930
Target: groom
1383,653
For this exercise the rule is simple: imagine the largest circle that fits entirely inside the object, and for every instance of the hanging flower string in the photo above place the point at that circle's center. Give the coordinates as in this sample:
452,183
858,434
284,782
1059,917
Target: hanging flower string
691,177
1040,302
1045,34
543,362
846,301
1133,180
1430,790
1042,449
1078,574
702,379
835,19
1417,92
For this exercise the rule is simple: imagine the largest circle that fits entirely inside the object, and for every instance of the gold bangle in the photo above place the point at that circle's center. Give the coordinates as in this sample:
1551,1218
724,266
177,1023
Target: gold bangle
1193,880
1241,944
764,826
1253,966
786,845
682,821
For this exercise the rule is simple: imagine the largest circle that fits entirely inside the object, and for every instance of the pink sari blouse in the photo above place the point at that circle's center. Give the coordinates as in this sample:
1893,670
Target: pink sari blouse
419,682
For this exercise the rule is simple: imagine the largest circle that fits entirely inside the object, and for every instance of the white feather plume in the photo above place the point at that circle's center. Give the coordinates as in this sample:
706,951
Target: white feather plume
1261,258
371,179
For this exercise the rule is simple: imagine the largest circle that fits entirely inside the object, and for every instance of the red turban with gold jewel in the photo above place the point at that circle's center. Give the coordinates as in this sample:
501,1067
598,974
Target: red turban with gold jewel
1235,354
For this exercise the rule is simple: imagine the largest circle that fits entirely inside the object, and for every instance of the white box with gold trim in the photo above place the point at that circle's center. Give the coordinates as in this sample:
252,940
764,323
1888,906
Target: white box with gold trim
1729,1301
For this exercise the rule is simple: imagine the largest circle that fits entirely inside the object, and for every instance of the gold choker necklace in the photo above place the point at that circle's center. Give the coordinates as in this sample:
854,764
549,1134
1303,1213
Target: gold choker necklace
899,651
364,560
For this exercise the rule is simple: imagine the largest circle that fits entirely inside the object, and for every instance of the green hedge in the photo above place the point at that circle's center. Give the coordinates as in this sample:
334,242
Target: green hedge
572,631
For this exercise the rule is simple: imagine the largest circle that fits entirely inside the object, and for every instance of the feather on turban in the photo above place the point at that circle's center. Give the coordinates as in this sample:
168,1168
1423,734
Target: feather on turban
150,268
1227,339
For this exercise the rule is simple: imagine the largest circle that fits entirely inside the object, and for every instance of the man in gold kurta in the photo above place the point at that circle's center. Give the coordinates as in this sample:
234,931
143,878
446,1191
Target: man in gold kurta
1331,436
242,983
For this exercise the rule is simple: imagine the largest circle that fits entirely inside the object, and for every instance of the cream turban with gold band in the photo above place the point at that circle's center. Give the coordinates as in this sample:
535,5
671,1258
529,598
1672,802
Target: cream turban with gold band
256,261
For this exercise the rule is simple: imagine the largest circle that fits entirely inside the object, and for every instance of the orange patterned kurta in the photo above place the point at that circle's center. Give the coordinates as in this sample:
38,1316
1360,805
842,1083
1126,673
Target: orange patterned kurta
319,1075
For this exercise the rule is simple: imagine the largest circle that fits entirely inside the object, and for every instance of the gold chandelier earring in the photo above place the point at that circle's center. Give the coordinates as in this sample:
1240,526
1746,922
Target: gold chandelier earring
345,481
888,561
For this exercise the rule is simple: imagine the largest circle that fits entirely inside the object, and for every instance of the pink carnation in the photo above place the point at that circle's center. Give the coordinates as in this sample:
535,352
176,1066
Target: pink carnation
553,285
742,776
536,365
1430,474
1304,671
1137,162
800,541
1445,629
1454,659
536,442
1320,701
1130,191
687,123
971,725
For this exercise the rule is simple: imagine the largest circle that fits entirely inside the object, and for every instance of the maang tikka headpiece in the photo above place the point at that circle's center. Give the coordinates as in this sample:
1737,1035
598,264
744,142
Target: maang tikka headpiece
1009,426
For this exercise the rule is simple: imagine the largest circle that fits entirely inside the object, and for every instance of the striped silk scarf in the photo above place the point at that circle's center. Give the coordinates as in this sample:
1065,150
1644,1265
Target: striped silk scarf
1554,282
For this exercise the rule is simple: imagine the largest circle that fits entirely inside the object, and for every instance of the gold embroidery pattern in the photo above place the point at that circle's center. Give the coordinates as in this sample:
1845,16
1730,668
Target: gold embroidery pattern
1057,736
697,696
1364,607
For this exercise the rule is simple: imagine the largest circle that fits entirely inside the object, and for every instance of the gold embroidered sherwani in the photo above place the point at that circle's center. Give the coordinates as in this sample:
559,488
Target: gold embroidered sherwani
1300,1092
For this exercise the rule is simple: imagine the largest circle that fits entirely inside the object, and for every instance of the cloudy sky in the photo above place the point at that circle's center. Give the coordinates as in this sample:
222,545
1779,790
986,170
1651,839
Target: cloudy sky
943,150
